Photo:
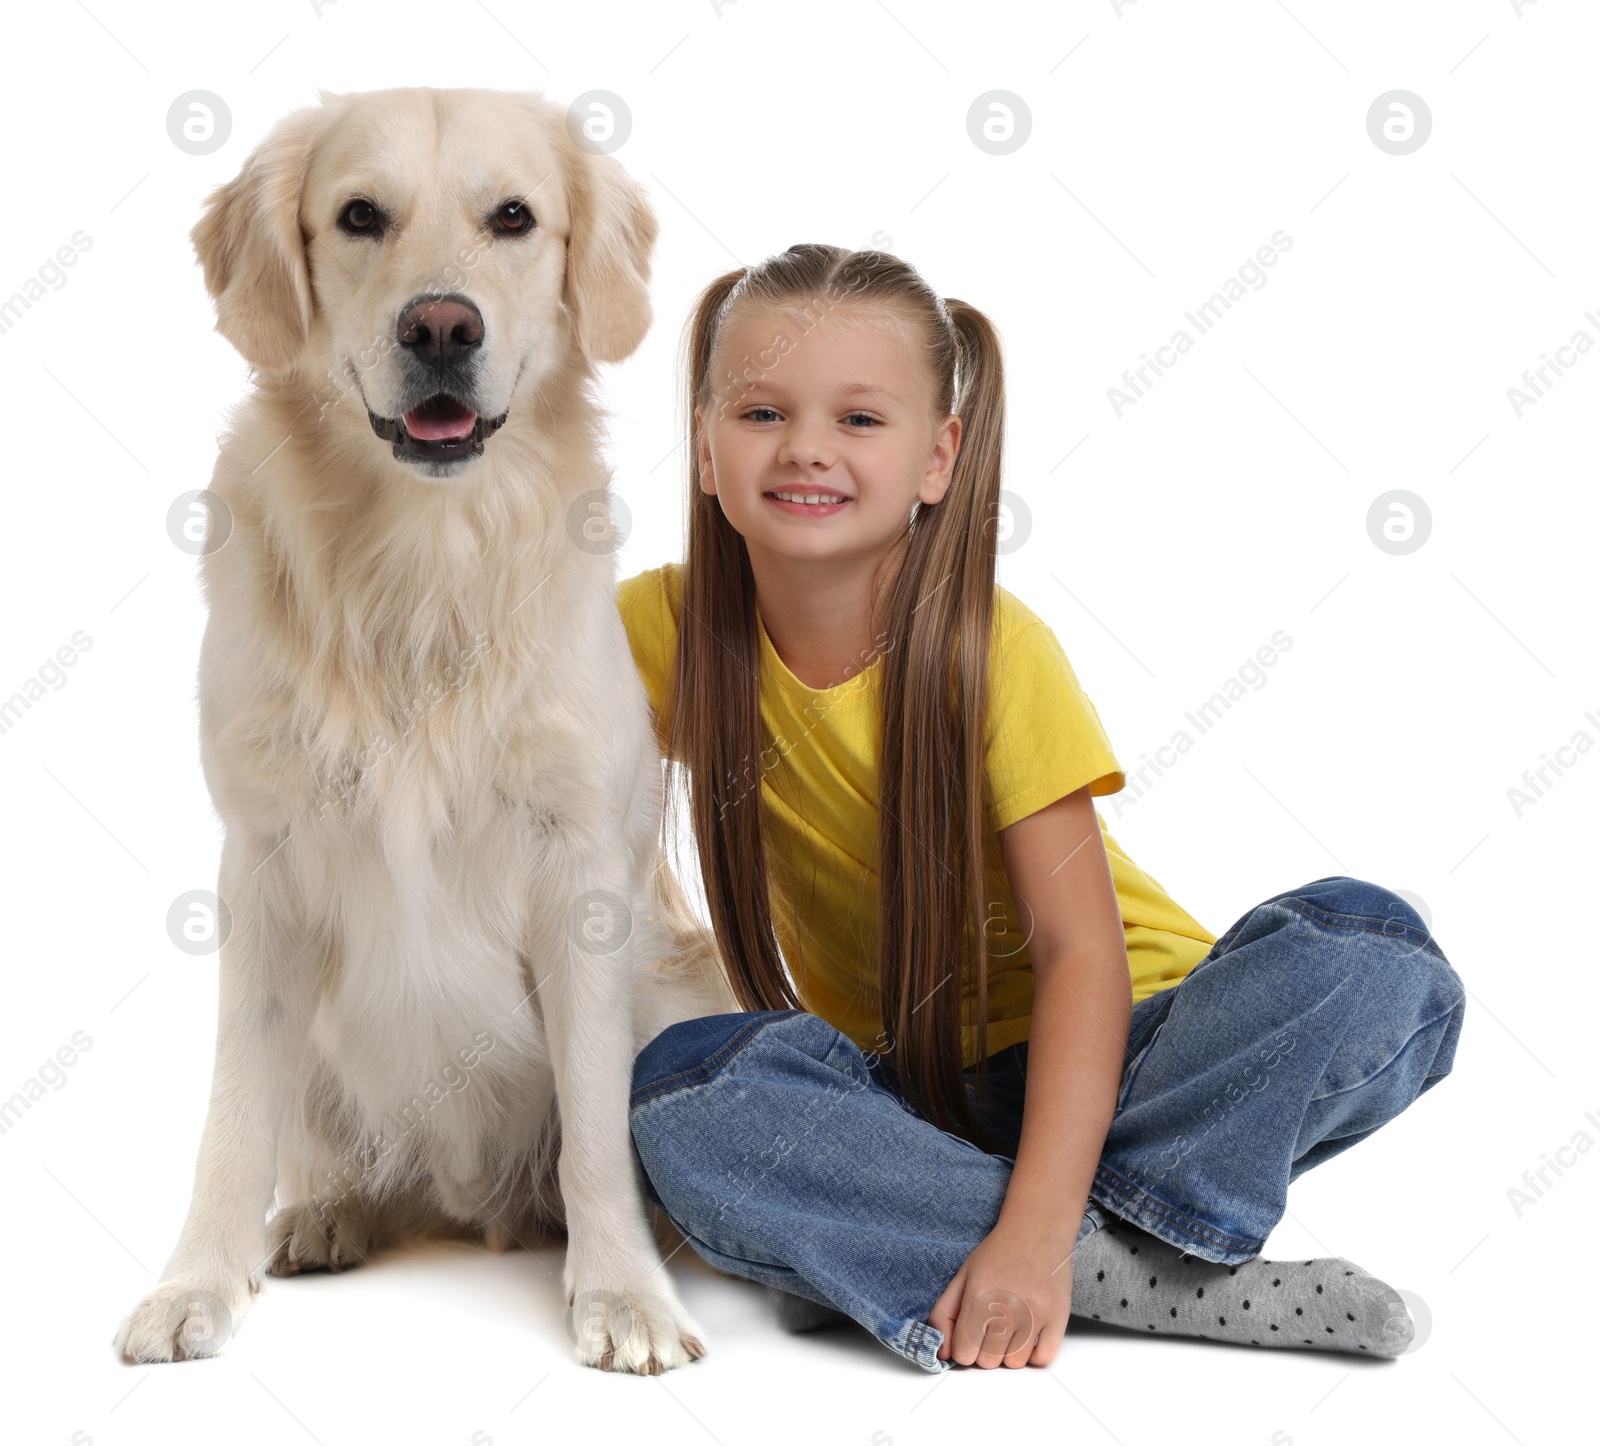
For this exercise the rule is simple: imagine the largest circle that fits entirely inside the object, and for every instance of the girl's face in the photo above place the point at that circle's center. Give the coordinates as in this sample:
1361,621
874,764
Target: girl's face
837,406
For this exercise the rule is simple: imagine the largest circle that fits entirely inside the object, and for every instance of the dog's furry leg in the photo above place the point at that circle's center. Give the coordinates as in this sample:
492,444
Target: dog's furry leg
626,1314
267,968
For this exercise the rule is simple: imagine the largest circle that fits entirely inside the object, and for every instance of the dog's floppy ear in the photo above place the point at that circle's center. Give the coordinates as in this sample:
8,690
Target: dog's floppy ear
608,254
250,243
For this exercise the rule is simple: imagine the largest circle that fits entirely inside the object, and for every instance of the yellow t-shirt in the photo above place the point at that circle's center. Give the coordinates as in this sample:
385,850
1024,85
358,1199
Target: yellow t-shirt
819,795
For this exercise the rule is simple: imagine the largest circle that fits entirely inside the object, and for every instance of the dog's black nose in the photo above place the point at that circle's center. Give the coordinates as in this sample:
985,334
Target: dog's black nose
441,329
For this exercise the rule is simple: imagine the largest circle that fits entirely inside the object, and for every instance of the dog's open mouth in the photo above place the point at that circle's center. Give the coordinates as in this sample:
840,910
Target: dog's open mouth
441,419
441,427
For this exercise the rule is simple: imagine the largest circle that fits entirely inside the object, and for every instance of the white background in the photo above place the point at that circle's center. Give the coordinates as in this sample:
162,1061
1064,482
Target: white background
1232,500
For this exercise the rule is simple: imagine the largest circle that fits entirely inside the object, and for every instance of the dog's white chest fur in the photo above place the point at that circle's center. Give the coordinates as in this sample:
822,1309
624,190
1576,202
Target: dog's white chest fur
430,876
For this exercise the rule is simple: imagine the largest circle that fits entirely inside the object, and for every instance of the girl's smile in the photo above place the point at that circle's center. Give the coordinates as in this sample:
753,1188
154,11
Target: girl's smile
803,502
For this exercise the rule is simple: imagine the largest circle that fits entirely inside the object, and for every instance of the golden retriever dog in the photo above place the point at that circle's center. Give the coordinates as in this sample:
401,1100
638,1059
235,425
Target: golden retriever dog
446,921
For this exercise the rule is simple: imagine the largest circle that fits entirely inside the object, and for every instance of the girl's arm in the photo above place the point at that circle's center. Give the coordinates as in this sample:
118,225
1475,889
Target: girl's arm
1082,1004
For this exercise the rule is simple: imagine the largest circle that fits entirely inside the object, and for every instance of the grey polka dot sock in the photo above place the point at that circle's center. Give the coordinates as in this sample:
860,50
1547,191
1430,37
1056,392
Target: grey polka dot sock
1125,1276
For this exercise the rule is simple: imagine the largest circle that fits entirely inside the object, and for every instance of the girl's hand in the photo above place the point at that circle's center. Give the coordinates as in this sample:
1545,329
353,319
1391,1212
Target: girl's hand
1009,1302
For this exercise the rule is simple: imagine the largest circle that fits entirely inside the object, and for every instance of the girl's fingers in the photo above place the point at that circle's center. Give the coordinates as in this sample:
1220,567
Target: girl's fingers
1048,1344
996,1328
991,1328
1010,1350
1020,1349
946,1310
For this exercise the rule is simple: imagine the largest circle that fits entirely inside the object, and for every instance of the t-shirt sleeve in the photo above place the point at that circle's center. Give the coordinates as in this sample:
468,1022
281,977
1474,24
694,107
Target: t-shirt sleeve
1045,738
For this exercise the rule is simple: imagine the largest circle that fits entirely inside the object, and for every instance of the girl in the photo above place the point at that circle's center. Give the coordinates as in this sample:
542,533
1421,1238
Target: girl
990,1072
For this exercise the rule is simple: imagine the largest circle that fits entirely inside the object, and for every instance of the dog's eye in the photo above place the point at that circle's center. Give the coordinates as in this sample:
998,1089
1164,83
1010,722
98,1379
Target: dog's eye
513,219
359,218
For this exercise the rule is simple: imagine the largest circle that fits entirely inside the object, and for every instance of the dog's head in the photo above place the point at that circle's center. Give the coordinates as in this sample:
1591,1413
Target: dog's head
428,255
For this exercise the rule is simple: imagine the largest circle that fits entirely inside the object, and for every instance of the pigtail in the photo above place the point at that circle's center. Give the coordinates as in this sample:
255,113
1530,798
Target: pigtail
713,695
932,778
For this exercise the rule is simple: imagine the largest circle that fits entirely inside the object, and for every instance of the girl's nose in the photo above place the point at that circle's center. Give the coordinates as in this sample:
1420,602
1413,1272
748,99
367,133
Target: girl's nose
806,445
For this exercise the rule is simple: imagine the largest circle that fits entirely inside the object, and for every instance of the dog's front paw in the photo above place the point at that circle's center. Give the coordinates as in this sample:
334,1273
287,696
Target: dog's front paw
180,1321
641,1328
320,1235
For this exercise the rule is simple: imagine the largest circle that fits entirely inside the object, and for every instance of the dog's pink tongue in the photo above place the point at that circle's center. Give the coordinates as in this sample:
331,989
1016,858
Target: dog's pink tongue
440,419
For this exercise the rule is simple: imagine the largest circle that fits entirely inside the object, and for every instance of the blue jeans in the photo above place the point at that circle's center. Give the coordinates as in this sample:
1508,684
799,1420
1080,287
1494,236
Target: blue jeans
785,1155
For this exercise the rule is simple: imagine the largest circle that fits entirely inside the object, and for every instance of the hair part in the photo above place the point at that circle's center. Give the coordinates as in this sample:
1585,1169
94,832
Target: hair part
934,618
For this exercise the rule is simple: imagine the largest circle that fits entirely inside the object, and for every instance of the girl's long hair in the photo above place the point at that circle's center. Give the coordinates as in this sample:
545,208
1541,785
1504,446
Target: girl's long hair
934,626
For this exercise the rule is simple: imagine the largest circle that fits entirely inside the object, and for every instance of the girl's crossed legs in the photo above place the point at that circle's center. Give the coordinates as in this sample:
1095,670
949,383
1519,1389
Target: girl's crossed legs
787,1156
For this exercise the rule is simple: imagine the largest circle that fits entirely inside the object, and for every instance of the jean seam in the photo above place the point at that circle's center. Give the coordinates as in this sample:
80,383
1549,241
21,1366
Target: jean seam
1176,1218
1362,922
707,1067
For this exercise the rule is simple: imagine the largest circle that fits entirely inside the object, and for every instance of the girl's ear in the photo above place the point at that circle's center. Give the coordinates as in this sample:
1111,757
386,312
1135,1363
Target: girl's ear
613,233
941,461
708,479
252,250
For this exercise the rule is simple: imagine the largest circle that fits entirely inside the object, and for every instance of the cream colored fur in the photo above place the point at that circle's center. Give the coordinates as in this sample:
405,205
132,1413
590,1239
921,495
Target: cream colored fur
424,733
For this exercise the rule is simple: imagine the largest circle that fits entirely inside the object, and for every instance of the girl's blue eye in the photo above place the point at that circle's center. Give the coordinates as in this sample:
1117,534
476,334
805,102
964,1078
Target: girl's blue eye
751,414
862,417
